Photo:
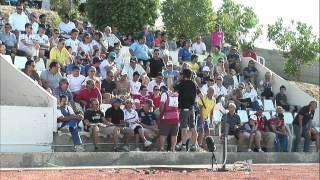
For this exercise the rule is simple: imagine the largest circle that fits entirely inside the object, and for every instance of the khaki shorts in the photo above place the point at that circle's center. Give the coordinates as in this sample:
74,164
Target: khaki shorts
108,130
187,118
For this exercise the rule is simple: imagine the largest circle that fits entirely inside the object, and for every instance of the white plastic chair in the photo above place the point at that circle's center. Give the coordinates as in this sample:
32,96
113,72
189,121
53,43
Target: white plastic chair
20,61
268,105
243,115
267,115
105,107
288,118
40,65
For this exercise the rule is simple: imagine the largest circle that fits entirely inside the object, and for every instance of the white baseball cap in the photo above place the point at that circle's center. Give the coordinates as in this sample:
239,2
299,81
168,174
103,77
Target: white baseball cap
253,117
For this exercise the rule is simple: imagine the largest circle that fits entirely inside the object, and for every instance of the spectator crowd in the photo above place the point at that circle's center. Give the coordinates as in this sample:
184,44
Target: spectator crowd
153,98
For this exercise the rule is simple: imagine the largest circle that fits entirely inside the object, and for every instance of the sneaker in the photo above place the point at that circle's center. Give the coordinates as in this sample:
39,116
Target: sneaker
183,148
137,149
126,148
116,149
260,150
79,148
147,143
193,148
178,147
249,150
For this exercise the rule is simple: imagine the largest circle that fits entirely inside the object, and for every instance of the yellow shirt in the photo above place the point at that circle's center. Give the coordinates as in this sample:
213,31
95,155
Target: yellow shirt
209,103
194,67
60,56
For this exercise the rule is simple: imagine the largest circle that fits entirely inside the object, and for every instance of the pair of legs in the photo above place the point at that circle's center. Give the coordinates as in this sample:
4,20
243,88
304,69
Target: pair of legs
281,143
139,132
203,131
165,130
187,119
74,130
254,139
315,135
303,132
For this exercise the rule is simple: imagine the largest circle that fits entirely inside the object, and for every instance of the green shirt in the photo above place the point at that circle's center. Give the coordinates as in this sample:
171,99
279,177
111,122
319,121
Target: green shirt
216,57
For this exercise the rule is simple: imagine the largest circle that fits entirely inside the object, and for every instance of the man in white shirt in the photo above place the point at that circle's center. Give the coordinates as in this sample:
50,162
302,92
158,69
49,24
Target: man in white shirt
109,38
35,24
219,89
106,64
73,42
133,67
75,80
66,26
135,84
199,47
164,52
158,81
205,87
27,42
18,19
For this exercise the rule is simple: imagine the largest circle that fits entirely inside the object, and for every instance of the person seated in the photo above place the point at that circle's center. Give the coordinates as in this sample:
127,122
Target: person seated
77,61
123,86
277,125
194,66
204,74
27,44
63,90
66,25
51,77
217,55
30,71
250,73
220,69
67,117
75,80
155,96
315,136
208,62
95,62
60,53
9,40
250,97
219,89
94,121
205,87
249,131
89,92
141,98
170,72
265,86
263,130
230,122
148,119
97,41
86,45
302,124
109,84
233,56
250,53
43,41
129,69
281,100
158,81
92,76
206,105
54,39
228,82
184,54
156,64
135,84
199,47
140,50
131,118
73,41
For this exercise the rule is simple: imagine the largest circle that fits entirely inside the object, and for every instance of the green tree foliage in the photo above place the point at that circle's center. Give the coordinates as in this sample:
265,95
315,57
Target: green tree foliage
297,43
236,22
127,15
63,7
189,18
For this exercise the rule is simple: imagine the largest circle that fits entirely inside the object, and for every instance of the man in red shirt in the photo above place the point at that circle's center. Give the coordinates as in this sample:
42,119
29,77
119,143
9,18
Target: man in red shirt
250,53
140,98
263,130
90,92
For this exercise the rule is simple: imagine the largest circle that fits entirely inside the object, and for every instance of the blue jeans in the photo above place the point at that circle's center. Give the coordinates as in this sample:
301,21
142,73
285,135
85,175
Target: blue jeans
281,143
299,134
74,130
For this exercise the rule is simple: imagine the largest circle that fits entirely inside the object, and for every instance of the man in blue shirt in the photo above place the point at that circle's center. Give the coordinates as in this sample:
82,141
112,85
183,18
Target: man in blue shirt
149,36
140,50
184,54
9,39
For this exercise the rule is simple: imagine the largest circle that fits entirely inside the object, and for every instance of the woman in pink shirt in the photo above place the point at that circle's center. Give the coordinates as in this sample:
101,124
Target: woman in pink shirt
217,37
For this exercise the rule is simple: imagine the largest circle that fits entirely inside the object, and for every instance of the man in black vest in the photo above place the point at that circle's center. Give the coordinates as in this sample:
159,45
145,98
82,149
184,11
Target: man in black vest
66,115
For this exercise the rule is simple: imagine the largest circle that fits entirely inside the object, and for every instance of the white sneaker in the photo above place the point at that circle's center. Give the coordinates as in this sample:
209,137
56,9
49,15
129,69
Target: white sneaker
147,143
126,148
260,150
79,148
137,149
249,150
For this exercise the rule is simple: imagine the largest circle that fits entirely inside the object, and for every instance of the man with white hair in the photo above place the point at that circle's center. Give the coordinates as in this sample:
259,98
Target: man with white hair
231,122
109,38
199,47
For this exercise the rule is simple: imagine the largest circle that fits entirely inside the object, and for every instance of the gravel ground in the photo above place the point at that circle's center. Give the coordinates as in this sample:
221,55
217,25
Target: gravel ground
309,171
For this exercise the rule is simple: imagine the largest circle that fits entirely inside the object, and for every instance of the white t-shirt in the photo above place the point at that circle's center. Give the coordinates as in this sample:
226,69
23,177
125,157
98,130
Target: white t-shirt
73,43
163,52
135,87
129,70
35,28
18,21
41,39
110,40
87,48
104,64
68,109
252,94
198,48
75,82
131,118
67,28
29,39
152,84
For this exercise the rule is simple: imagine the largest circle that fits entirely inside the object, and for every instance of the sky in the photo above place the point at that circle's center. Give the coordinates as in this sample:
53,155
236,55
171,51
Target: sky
268,11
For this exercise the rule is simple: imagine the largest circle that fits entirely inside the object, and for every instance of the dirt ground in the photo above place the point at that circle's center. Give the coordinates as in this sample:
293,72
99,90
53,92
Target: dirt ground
309,171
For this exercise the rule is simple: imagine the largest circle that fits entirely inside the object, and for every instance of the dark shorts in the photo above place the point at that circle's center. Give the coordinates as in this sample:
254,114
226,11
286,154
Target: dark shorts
166,129
187,118
136,130
202,125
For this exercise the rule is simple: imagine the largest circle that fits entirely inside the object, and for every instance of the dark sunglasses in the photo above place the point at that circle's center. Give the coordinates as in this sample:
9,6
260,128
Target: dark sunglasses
156,89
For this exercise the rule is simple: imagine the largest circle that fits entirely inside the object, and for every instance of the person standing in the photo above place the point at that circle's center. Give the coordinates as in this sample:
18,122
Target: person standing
217,37
187,90
302,126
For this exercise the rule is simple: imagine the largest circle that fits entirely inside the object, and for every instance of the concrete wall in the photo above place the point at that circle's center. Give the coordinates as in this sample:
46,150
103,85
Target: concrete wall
28,112
296,96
